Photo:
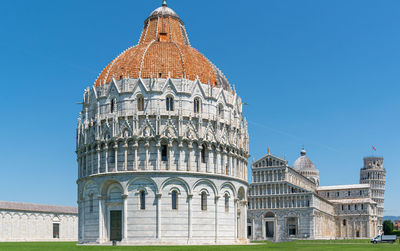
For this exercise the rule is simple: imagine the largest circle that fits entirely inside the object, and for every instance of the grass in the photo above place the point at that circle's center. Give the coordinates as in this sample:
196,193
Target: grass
342,245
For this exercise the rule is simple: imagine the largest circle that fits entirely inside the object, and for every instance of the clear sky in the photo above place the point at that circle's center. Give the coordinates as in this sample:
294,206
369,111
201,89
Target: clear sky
323,74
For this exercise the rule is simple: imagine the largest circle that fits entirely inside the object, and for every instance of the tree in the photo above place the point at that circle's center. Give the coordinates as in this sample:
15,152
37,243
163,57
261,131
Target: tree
387,227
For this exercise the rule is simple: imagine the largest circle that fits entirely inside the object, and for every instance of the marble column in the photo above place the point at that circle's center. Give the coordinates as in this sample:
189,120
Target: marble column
98,158
169,149
158,162
125,218
101,219
126,157
208,161
116,156
135,155
106,157
236,217
199,149
92,152
189,198
158,196
181,159
147,146
216,217
190,149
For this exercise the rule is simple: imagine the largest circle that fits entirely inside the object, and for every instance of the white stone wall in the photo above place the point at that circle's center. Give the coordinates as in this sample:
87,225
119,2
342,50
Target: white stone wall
36,226
128,139
159,223
117,142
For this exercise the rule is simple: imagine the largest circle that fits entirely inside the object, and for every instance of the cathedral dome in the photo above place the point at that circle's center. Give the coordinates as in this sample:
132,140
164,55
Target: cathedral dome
306,167
303,163
163,51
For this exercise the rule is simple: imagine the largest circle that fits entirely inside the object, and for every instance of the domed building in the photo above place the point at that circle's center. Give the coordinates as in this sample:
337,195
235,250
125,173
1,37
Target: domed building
306,167
288,203
162,146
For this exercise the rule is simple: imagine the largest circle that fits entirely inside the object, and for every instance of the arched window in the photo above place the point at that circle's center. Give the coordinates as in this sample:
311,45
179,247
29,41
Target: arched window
204,201
226,203
164,151
344,222
174,197
112,105
140,103
203,154
142,200
170,103
91,203
197,105
221,111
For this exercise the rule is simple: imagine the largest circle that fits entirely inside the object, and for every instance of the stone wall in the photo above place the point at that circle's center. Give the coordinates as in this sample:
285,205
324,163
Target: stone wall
159,223
36,226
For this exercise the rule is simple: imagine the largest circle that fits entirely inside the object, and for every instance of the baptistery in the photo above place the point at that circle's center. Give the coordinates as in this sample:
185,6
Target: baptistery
162,146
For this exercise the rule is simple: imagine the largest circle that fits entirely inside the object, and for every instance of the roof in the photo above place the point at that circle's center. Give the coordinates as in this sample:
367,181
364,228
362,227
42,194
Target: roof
163,51
21,206
163,11
353,201
269,156
303,163
344,187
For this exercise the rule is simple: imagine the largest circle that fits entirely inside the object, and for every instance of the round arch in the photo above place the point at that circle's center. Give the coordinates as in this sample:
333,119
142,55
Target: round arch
86,186
229,185
106,185
209,183
180,180
130,182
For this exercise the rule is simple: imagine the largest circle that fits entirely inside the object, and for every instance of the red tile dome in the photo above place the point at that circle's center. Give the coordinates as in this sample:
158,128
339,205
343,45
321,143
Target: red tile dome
163,51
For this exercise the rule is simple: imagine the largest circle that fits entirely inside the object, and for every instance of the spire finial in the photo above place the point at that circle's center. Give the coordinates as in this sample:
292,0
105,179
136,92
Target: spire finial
269,150
303,152
164,3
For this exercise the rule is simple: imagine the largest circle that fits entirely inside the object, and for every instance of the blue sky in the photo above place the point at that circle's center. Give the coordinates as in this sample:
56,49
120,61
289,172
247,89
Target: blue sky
323,74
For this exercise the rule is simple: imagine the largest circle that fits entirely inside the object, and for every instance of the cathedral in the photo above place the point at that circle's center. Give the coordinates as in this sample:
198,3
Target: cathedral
162,146
287,203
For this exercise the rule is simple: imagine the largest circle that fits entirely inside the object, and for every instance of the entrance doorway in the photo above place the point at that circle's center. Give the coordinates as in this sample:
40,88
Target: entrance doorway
269,225
269,229
249,234
116,225
292,226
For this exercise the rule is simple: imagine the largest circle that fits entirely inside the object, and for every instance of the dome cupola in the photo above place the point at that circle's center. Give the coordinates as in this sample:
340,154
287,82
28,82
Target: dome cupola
163,51
306,167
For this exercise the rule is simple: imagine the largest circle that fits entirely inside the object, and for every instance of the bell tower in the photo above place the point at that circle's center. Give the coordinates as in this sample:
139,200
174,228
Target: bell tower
374,174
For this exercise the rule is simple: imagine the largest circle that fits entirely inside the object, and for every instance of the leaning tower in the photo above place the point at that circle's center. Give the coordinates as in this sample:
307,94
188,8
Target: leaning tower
374,174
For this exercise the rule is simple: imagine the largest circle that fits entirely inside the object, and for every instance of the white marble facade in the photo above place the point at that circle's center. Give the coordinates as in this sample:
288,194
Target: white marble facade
32,222
162,161
287,203
121,154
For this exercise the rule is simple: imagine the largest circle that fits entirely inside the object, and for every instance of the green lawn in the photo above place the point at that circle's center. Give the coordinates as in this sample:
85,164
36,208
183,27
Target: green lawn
341,245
